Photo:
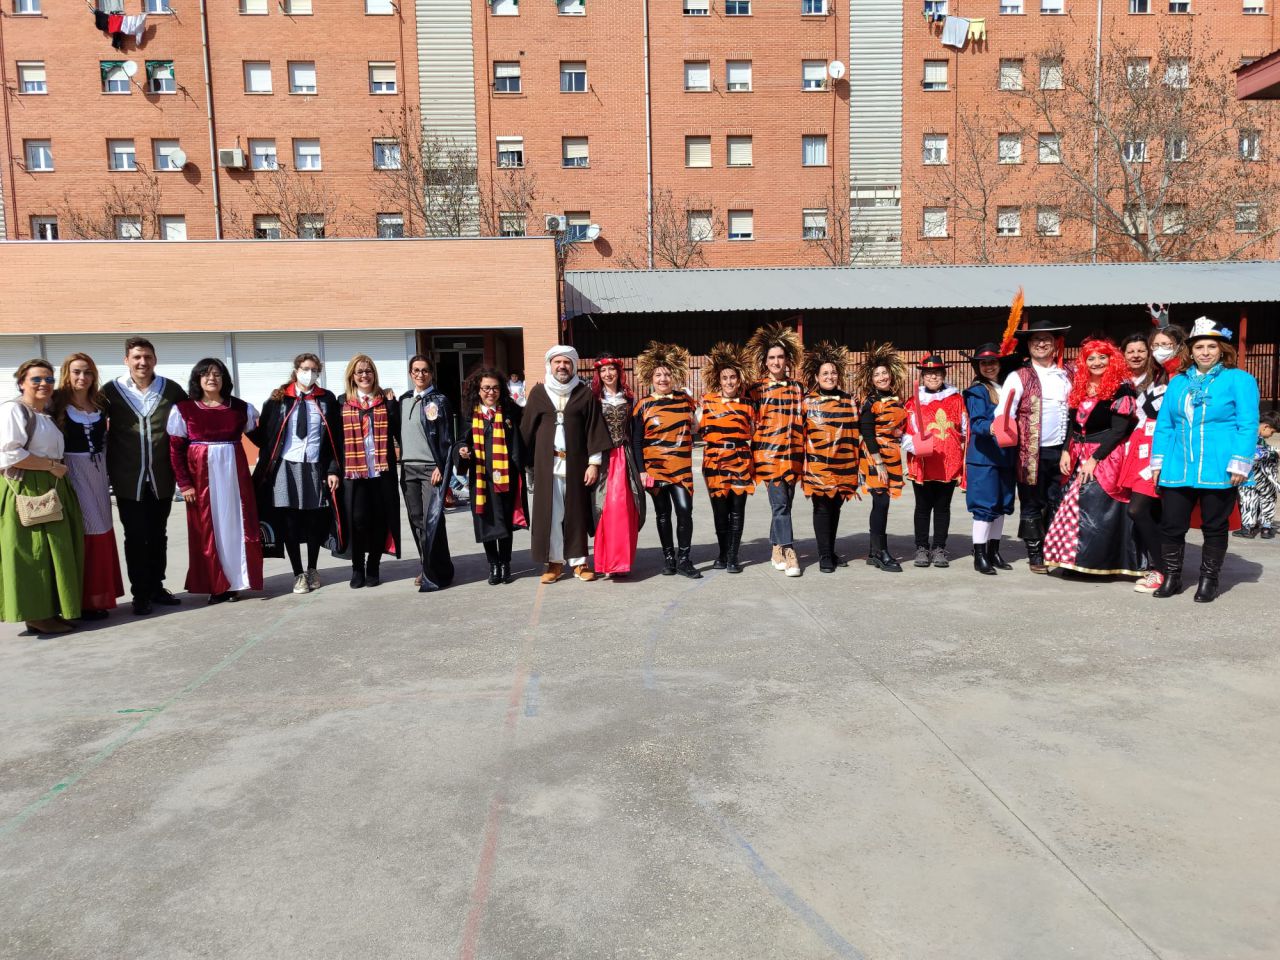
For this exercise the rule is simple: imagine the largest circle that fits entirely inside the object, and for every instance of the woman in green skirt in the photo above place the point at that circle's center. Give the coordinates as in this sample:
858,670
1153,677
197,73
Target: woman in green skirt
41,562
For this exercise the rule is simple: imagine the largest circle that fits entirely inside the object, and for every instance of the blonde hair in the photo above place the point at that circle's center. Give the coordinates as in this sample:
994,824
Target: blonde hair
62,395
350,378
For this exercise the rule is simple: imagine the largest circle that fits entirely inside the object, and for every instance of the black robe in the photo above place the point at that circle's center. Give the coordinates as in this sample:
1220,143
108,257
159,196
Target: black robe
499,517
585,434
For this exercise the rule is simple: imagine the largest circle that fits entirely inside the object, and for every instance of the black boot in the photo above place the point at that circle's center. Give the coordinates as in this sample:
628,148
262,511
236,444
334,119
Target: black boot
686,568
504,572
881,558
495,574
1211,557
668,562
993,556
357,570
1247,532
1035,556
1171,565
982,559
372,570
722,558
734,543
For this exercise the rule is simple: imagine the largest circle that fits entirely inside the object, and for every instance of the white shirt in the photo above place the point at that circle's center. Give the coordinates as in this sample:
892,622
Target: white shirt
46,439
295,449
1055,387
370,452
143,401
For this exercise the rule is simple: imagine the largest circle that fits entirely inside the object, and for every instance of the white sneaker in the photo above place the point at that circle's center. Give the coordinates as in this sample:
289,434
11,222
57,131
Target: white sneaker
792,562
300,584
1149,583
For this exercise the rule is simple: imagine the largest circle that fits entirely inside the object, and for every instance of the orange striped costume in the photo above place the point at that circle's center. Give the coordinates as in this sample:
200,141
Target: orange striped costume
727,426
889,416
664,438
778,444
831,445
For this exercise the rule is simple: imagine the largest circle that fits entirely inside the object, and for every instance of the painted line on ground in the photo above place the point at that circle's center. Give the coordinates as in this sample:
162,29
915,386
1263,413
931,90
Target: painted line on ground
651,640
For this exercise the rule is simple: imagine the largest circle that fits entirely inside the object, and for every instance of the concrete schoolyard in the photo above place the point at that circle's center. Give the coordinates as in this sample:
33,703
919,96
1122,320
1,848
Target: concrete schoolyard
932,764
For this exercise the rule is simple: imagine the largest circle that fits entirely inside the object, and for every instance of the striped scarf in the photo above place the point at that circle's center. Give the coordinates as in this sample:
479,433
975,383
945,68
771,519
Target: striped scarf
501,475
353,430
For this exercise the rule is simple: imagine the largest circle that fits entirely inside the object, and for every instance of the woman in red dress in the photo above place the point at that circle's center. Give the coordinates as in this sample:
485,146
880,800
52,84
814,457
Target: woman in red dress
619,494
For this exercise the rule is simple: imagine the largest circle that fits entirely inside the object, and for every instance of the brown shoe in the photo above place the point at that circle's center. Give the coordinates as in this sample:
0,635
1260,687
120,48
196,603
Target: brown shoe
552,573
584,573
791,563
52,625
778,560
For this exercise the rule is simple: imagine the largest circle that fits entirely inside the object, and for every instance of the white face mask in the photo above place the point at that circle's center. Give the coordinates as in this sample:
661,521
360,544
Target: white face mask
1163,353
305,378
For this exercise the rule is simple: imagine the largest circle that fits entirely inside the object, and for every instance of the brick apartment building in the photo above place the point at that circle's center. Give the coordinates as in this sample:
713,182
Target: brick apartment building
778,132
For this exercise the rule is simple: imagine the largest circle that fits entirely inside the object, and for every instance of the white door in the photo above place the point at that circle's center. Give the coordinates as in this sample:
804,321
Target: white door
264,361
388,348
14,352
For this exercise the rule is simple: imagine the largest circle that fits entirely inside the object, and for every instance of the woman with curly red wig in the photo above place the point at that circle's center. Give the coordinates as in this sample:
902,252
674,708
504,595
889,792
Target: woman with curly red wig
1092,531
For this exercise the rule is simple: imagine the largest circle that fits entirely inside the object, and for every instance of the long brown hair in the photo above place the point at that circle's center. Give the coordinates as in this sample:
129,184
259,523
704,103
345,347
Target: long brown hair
1229,358
278,393
63,393
350,378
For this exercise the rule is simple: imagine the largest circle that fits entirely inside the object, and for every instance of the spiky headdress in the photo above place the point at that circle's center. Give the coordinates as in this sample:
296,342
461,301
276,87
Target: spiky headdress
723,356
775,335
882,355
675,358
827,352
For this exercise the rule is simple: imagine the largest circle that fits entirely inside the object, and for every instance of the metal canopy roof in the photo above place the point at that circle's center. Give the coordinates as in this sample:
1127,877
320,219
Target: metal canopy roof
917,288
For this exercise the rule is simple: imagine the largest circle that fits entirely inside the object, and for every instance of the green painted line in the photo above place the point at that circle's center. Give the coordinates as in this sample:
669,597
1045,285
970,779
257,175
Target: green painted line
141,710
62,786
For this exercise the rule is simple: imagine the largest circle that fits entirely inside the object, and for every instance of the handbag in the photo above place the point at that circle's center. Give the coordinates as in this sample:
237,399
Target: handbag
33,511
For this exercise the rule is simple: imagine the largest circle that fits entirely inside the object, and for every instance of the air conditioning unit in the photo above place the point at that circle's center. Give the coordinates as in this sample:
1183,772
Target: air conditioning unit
232,158
556,223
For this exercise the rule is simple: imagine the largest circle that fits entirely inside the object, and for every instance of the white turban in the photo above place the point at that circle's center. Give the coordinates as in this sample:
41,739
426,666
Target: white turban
550,383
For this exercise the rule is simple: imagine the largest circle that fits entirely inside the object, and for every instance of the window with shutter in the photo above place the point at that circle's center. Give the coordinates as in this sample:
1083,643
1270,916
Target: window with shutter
575,152
306,155
510,152
31,78
697,151
935,148
1049,148
1010,74
741,225
935,74
255,8
121,155
1010,148
813,75
700,226
1050,74
739,151
1008,221
697,75
173,228
506,77
382,77
257,77
302,77
696,8
1048,222
738,75
573,77
814,224
935,222
505,8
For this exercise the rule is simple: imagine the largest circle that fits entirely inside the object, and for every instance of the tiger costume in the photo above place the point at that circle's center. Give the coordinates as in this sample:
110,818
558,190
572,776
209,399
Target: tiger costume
832,445
778,442
664,438
727,429
884,416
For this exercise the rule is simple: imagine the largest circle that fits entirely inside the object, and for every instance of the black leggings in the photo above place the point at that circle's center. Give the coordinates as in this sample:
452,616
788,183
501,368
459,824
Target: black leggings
1176,504
304,526
498,551
1145,513
664,498
933,499
826,519
723,507
879,512
368,519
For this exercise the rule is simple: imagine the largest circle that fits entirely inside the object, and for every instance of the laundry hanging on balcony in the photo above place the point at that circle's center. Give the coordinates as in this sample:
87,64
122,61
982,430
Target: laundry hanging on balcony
135,24
978,29
955,32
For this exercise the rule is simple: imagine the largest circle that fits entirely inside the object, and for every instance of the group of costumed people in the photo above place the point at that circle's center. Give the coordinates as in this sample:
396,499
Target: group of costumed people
1111,460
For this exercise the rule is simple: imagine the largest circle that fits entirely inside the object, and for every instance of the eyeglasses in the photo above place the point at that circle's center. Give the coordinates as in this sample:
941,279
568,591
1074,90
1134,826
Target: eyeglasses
362,374
488,389
37,380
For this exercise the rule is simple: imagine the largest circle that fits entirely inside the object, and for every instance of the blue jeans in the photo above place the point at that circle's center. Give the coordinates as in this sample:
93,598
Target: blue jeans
780,497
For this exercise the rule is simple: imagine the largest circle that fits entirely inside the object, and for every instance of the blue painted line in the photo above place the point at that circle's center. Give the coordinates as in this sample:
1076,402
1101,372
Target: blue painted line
651,641
531,693
781,889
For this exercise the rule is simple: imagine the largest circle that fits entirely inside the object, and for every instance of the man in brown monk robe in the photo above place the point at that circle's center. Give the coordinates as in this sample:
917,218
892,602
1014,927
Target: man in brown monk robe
567,439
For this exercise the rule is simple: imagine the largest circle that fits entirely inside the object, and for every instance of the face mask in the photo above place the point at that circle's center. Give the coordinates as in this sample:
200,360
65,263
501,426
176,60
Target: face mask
306,378
1163,353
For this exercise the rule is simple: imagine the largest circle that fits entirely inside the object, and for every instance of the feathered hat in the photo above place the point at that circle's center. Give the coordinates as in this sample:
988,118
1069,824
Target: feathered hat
881,355
723,356
775,335
824,353
672,356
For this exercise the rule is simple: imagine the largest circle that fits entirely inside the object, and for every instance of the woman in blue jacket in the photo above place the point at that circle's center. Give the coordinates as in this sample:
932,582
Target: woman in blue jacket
989,468
1202,451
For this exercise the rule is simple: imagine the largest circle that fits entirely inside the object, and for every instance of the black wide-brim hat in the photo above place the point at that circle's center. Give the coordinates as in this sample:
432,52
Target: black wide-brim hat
932,363
991,351
1041,325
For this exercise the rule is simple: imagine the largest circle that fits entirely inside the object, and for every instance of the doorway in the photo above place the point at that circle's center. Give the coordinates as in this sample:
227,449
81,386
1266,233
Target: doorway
454,358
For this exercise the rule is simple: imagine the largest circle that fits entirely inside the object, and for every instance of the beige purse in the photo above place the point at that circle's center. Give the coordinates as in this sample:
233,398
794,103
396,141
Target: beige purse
45,508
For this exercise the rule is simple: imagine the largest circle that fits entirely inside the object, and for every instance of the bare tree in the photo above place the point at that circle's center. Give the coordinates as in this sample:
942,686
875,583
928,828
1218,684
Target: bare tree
133,199
848,235
302,203
681,229
431,177
1156,159
507,193
967,182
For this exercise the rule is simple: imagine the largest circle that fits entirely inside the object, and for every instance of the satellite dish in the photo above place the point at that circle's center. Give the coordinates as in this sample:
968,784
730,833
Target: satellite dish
130,68
177,159
593,231
835,69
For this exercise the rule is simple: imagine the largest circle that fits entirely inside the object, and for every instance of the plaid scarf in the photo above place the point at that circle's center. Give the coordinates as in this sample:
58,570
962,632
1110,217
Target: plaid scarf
501,475
353,431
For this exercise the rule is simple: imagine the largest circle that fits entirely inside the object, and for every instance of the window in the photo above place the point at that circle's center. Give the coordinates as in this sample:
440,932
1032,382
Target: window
111,6
1010,75
379,8
160,77
935,75
737,8
505,8
511,224
738,150
1247,217
813,75
114,79
510,152
257,76
1008,222
813,150
157,7
1048,222
262,154
266,227
253,7
128,228
44,228
877,197
571,8
697,75
297,8
173,228
311,226
737,75
1009,148
390,226
386,154
935,148
1051,6
1177,73
1254,7
1049,148
935,222
121,155
39,155
696,8
302,76
1137,71
1008,7
506,77
1050,74
579,224
813,8
1135,219
1139,6
934,9
701,226
697,151
574,152
382,78
813,225
741,225
31,78
1135,151
162,153
26,7
1175,148
306,155
1250,145
573,77
1179,6
1174,218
